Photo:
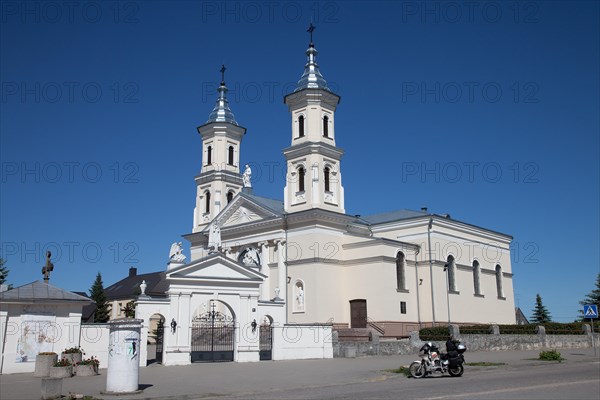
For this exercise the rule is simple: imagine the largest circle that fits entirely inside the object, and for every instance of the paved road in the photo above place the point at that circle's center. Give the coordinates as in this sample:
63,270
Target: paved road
521,378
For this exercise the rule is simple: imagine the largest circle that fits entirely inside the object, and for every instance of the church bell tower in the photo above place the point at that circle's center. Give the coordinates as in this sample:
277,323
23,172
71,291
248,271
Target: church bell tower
314,178
219,179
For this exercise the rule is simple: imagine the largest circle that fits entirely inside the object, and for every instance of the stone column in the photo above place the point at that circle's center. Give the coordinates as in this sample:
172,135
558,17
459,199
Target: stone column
264,269
281,270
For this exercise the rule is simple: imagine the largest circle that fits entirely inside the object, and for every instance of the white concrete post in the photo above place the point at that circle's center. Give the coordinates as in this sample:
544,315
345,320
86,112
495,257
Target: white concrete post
264,269
282,281
122,375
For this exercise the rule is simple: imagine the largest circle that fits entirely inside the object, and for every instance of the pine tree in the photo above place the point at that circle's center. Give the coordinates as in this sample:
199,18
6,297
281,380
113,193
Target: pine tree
540,312
3,272
592,297
97,294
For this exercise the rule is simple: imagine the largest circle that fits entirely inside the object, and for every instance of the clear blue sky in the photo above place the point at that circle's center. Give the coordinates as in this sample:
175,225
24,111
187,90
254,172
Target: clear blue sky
488,111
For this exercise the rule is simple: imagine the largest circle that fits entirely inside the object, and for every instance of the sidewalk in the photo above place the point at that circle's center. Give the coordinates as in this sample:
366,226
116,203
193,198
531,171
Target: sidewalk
223,379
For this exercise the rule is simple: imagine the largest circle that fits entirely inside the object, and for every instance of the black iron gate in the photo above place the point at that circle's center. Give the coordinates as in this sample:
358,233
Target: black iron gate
213,337
266,342
160,336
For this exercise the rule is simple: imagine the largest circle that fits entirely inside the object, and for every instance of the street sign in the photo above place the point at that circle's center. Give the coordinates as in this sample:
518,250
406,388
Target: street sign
590,311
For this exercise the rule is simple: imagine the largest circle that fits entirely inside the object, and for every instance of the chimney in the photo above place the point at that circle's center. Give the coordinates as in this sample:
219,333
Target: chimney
132,271
424,209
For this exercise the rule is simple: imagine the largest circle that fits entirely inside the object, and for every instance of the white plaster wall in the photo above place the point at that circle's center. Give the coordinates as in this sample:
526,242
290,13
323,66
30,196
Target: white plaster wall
297,342
94,341
62,333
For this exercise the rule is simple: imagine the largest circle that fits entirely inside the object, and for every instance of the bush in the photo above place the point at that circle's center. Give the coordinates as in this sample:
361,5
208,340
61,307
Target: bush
90,361
63,362
550,355
73,350
435,333
475,329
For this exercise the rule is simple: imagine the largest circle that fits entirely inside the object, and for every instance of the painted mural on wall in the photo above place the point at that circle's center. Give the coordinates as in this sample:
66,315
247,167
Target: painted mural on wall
38,334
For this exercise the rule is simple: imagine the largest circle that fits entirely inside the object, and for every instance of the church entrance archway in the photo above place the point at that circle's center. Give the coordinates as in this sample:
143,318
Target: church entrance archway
358,313
213,334
156,339
266,339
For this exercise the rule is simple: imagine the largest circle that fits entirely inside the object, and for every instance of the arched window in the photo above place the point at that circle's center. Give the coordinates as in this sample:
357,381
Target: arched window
499,281
301,126
326,173
301,174
476,274
230,156
229,197
451,270
400,271
326,126
209,155
207,202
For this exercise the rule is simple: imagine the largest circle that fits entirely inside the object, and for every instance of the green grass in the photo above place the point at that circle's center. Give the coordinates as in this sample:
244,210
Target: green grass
551,355
400,370
484,364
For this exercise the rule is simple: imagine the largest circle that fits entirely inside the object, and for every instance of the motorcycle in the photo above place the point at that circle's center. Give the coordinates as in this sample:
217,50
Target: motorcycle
432,361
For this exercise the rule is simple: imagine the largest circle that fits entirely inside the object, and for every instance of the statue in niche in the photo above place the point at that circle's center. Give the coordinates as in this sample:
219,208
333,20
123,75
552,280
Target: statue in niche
300,297
246,176
250,257
176,253
214,238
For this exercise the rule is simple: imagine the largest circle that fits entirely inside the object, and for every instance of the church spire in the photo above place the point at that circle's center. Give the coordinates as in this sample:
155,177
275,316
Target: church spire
222,112
311,78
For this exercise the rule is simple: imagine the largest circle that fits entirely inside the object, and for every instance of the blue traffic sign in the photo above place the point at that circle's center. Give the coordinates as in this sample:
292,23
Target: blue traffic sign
590,311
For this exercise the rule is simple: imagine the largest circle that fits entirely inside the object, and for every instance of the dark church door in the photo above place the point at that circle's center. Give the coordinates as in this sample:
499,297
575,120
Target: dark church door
358,313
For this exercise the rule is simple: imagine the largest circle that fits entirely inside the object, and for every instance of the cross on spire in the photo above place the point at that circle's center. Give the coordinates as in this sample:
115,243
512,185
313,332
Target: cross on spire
49,267
311,29
223,74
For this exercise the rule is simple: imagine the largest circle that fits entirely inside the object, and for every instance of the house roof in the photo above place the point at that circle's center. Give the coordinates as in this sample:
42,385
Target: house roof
276,206
39,291
126,288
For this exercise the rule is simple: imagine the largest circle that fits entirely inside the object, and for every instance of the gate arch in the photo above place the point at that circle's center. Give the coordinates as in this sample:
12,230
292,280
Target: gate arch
213,333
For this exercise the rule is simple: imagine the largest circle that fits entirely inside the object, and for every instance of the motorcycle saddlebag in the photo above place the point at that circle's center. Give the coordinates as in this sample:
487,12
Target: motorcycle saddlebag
454,361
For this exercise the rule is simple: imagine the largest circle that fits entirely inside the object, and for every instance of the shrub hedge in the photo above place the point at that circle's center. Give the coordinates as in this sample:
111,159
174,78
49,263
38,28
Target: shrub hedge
552,328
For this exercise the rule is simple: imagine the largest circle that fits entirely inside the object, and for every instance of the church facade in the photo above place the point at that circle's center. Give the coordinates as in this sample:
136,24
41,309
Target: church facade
304,262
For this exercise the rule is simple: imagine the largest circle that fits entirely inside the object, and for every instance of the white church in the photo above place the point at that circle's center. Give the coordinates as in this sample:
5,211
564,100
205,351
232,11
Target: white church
271,279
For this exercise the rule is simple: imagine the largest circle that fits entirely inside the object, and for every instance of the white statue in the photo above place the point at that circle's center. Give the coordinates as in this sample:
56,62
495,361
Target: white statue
277,291
176,253
250,257
214,238
300,297
143,288
246,176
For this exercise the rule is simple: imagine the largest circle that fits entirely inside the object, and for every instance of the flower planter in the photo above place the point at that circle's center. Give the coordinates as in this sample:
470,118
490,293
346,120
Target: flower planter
86,370
74,358
43,363
61,372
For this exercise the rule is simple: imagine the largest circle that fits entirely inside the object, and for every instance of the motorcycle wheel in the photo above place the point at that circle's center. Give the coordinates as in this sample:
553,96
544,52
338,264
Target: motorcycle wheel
457,371
417,370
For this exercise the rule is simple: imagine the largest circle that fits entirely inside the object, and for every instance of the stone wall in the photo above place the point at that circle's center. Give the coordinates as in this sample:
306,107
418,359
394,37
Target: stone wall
480,342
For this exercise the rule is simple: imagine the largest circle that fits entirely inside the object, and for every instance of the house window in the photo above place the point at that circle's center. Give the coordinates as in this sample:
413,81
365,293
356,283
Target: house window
229,197
451,270
476,274
301,174
209,155
400,271
326,126
301,126
207,202
230,156
326,173
499,281
402,307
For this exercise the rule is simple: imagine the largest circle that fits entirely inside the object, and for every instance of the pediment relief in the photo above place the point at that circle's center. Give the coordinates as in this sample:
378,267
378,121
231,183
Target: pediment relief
215,267
242,215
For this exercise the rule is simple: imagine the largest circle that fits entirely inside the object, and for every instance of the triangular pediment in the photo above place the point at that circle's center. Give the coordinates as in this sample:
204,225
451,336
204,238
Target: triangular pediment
244,209
215,267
